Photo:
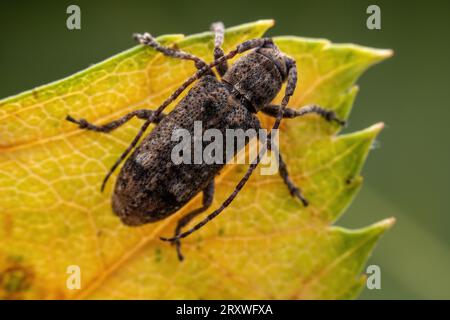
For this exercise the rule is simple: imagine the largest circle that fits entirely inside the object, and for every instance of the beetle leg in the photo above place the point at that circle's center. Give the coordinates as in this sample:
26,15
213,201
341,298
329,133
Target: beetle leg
273,110
329,115
143,114
208,196
293,189
219,31
149,40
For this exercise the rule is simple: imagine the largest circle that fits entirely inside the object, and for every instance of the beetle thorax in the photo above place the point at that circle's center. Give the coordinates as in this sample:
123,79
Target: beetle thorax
258,76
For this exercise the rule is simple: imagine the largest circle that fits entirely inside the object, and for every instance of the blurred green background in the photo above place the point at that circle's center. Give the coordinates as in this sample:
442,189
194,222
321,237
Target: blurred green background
406,176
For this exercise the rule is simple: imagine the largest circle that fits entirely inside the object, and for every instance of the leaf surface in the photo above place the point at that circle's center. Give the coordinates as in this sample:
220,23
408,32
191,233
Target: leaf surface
264,246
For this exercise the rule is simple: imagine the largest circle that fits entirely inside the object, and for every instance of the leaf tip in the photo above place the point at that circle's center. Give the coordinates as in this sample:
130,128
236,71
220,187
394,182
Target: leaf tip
386,53
378,228
381,54
265,23
371,56
367,134
256,28
387,223
377,127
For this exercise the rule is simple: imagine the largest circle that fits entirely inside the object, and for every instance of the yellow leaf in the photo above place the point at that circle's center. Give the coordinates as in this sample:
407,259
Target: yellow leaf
264,246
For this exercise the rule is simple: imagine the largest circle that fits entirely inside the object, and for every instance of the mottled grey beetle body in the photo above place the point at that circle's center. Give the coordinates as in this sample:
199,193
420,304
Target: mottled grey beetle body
150,186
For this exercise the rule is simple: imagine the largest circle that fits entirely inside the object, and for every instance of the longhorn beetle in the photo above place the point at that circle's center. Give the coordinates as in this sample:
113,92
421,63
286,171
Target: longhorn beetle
150,187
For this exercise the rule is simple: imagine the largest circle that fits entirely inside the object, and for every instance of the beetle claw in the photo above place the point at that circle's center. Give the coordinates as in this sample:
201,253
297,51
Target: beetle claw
340,122
168,239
